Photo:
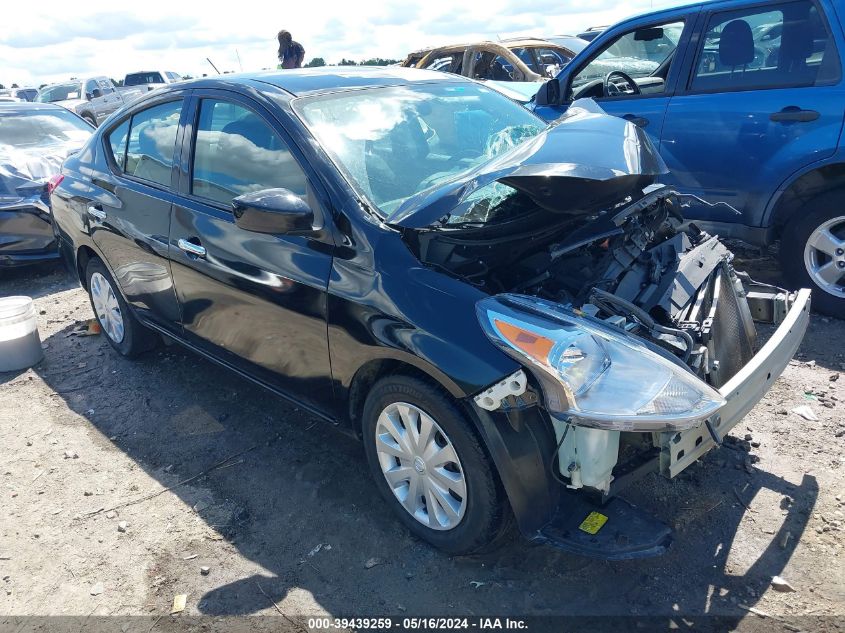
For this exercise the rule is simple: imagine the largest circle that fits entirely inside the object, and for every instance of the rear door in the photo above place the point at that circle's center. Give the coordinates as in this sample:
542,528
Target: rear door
763,99
130,209
253,300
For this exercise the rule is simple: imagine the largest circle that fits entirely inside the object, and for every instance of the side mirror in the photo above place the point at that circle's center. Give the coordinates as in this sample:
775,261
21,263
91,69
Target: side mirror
96,93
549,93
274,211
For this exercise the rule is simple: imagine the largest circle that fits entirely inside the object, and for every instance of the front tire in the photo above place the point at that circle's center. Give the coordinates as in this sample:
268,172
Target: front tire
812,252
430,466
122,330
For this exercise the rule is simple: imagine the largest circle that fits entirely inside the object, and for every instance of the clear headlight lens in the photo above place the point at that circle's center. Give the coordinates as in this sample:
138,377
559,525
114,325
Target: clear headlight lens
595,373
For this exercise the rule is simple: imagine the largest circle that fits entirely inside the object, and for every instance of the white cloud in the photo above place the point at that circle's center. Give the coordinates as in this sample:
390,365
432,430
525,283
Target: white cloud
41,42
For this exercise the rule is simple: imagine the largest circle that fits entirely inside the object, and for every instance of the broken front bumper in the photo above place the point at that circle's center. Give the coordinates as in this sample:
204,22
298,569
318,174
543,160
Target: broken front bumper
742,391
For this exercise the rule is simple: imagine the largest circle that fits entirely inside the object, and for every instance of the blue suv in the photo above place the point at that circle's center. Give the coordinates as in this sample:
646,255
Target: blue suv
745,100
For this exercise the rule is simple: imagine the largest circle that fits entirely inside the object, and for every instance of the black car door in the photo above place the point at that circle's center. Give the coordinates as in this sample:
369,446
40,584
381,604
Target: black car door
130,205
253,300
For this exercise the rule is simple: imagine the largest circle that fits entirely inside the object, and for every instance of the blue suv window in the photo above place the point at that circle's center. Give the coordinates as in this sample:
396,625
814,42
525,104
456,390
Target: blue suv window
778,45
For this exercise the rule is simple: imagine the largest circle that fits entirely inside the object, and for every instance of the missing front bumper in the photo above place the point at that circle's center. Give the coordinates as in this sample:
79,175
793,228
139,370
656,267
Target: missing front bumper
747,387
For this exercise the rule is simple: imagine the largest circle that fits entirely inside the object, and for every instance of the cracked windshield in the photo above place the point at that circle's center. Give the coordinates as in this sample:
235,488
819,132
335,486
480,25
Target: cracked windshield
398,141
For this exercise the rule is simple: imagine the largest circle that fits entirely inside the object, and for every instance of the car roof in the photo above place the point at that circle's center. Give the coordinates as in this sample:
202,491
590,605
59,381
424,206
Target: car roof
27,106
302,81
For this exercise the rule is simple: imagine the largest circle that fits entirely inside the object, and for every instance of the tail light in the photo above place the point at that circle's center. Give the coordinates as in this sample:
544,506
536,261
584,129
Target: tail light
54,182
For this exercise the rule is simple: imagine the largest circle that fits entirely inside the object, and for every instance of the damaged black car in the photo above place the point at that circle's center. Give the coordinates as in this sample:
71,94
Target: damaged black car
34,140
511,317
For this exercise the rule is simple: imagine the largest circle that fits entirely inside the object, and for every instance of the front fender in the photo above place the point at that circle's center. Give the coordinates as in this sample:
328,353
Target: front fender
521,444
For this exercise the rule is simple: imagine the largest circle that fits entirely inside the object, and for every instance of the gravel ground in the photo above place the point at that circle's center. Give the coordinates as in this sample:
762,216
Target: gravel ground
103,513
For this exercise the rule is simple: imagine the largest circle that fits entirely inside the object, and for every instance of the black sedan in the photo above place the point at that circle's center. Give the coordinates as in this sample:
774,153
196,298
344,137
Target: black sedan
509,316
34,140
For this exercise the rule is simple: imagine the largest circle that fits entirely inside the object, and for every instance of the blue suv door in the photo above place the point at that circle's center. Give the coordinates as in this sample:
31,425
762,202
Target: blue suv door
762,99
630,71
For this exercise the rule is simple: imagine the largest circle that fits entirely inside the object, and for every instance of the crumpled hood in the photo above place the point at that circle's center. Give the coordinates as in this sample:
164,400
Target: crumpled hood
586,161
24,172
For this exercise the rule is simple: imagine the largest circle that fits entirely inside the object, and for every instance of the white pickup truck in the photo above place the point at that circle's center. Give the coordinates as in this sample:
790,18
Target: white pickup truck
151,79
92,98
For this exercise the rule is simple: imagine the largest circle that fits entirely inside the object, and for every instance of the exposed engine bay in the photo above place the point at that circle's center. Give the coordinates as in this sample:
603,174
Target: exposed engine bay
637,269
632,267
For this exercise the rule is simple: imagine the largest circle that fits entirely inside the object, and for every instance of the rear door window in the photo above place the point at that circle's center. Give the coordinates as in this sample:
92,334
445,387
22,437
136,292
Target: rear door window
779,45
237,152
149,150
105,86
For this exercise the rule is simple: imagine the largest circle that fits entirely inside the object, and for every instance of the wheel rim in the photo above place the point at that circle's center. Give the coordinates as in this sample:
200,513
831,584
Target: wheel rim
824,256
421,466
107,307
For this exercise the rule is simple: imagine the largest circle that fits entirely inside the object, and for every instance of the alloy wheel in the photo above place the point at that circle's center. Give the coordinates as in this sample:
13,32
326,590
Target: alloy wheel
107,307
824,256
421,466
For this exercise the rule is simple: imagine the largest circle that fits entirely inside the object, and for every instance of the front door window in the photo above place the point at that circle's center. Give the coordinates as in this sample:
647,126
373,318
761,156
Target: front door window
644,55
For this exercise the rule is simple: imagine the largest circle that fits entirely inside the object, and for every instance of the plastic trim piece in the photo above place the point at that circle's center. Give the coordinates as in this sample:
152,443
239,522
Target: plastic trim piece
514,385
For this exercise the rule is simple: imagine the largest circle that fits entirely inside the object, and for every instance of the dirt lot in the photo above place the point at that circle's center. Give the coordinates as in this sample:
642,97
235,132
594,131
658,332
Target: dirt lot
294,520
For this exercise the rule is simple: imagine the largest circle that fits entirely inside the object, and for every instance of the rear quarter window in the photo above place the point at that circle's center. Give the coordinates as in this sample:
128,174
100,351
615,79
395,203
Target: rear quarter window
117,144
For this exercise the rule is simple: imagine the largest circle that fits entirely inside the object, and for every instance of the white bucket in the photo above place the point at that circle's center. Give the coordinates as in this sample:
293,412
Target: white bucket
20,345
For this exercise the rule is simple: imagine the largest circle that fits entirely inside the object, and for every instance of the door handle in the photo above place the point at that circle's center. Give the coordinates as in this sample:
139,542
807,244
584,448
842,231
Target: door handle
197,250
794,114
96,212
636,120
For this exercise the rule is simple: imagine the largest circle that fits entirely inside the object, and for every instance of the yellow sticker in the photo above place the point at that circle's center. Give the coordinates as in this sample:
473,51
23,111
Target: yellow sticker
593,523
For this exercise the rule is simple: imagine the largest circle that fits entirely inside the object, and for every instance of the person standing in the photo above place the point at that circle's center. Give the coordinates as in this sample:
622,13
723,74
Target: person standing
291,54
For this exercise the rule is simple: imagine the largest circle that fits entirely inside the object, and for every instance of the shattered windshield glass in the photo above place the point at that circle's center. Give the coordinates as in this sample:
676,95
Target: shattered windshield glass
397,141
495,202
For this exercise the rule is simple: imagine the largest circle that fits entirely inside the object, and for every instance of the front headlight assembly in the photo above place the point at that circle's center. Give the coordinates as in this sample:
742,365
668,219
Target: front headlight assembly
595,374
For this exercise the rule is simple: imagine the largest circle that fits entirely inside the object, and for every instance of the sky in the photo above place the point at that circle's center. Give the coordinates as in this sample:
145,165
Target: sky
49,41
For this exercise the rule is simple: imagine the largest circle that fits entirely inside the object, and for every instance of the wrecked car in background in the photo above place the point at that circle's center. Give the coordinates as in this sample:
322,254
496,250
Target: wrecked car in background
34,140
514,67
508,315
511,60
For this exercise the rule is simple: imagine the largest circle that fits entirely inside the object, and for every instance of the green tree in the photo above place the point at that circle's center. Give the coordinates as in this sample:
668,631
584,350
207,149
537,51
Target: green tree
379,61
316,63
15,86
347,62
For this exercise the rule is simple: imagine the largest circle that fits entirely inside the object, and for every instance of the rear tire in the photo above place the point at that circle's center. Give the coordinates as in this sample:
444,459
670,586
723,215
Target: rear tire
812,252
120,327
459,505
